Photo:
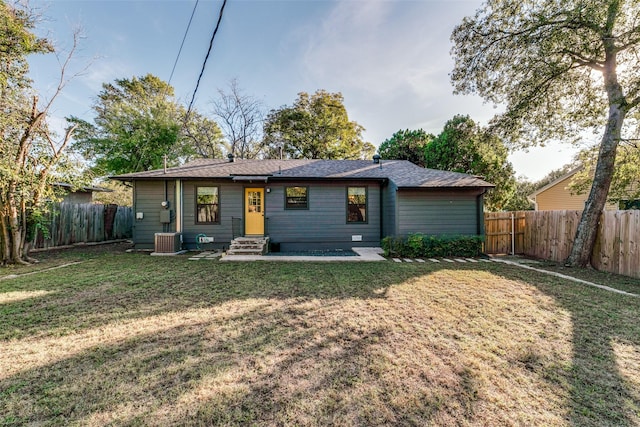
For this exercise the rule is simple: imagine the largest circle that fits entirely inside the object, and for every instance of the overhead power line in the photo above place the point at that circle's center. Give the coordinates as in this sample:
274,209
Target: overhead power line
183,39
204,63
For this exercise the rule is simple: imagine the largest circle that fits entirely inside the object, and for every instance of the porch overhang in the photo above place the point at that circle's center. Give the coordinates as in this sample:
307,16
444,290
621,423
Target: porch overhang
250,178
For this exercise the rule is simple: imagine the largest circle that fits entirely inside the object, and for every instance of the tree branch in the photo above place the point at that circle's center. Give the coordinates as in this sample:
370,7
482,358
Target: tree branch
62,81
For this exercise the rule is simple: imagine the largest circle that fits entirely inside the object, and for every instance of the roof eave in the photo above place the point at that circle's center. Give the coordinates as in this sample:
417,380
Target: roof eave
248,177
446,187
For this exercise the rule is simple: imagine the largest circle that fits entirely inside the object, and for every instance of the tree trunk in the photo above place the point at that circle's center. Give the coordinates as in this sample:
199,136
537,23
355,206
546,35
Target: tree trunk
6,253
587,231
15,228
16,240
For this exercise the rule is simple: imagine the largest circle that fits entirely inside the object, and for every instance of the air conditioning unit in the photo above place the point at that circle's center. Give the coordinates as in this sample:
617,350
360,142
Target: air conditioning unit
168,243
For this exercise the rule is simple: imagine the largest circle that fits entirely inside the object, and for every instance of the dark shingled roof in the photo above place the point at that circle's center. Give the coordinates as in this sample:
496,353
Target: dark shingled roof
403,173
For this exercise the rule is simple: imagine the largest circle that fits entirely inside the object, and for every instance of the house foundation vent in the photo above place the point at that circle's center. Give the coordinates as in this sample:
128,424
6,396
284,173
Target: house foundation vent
168,243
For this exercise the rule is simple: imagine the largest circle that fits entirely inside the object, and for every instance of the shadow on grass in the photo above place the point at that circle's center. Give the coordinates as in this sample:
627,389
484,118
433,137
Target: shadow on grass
602,323
125,286
266,366
173,342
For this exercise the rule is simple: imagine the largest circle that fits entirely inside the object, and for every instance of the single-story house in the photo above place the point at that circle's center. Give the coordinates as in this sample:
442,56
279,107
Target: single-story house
557,195
304,204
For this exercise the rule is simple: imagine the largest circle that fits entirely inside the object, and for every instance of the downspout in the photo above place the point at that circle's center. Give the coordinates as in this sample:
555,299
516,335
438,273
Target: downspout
135,210
383,185
166,190
179,224
166,227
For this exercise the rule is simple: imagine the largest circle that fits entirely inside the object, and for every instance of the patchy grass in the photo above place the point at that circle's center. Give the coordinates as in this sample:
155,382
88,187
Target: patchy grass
129,339
616,281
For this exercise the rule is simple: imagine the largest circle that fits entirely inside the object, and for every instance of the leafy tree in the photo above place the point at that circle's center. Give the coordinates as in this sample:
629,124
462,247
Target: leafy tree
625,184
31,157
315,127
465,147
241,117
559,68
137,123
520,199
120,194
406,145
201,137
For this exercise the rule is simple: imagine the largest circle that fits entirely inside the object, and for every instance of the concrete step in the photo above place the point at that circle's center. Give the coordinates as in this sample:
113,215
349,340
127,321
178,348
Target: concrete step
251,239
249,246
241,251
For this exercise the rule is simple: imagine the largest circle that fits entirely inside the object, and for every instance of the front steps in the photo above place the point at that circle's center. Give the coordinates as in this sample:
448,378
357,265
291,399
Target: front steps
249,246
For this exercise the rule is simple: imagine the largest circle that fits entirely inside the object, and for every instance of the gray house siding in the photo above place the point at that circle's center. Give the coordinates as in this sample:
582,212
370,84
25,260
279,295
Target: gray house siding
389,210
147,197
231,198
437,213
324,224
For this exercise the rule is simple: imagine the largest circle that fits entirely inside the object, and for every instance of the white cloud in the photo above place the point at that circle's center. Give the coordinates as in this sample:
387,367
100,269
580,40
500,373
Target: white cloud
367,46
391,62
102,71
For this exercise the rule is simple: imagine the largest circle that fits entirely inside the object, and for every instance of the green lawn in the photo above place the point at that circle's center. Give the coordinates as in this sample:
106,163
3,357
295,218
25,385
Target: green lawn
129,339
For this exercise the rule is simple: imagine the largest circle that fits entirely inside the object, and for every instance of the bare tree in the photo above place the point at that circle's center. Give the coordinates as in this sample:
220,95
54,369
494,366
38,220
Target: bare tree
240,116
30,154
202,137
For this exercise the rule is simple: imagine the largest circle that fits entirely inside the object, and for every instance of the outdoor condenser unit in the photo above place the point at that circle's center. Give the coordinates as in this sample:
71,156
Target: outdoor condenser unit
168,243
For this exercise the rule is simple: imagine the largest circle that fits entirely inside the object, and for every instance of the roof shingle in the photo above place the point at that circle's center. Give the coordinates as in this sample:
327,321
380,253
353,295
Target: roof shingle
403,173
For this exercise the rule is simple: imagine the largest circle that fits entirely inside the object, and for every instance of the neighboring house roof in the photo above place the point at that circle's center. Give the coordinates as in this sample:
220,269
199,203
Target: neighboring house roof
86,188
553,183
402,172
557,195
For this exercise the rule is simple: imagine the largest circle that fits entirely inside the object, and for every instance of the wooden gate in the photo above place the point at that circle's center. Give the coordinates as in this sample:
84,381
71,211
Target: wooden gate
504,232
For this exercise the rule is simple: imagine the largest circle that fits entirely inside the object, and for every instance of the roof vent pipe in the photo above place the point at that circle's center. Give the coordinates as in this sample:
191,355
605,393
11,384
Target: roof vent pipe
231,158
376,159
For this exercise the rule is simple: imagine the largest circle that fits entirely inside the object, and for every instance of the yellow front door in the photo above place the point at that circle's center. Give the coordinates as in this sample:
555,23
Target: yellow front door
254,211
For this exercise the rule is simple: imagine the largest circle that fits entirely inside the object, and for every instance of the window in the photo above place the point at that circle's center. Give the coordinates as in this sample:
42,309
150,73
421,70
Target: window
207,211
296,198
357,204
254,201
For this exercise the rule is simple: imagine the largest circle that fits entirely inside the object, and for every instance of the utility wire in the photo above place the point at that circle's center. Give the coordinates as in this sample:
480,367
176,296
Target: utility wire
204,64
183,39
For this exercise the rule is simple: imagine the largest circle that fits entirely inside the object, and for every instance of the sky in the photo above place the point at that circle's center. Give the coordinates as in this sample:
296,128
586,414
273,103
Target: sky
390,59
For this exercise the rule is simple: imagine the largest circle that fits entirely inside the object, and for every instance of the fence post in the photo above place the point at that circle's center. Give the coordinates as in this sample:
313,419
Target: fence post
513,234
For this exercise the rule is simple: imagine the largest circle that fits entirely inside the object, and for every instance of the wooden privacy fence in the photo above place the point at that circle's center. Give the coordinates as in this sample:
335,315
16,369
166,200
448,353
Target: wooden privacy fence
617,249
71,223
504,232
549,235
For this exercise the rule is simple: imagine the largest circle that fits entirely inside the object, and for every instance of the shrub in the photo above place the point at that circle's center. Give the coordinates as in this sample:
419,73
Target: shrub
420,245
393,246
